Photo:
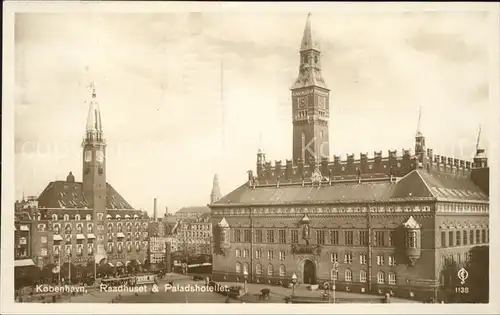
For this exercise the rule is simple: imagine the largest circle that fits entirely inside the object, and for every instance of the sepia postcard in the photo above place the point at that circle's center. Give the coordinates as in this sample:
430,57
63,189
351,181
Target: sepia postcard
171,157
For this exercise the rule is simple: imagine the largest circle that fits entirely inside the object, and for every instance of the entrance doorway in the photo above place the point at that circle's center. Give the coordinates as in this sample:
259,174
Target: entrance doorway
309,272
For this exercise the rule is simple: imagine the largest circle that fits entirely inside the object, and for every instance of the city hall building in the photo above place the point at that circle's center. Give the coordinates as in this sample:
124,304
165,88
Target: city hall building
392,222
85,221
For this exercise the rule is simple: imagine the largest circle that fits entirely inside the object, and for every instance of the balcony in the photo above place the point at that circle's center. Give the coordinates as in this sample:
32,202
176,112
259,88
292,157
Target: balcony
312,249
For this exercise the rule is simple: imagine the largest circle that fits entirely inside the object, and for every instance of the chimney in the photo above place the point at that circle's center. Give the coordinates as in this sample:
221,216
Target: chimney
154,211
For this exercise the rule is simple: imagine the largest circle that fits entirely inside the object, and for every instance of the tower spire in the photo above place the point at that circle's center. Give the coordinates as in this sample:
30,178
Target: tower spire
308,42
478,138
215,195
310,63
418,122
94,124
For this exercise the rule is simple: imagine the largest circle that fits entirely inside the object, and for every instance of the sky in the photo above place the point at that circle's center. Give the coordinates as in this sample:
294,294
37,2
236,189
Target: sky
186,95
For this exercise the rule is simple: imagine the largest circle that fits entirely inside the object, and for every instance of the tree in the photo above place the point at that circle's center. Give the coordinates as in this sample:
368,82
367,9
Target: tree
478,278
47,273
26,276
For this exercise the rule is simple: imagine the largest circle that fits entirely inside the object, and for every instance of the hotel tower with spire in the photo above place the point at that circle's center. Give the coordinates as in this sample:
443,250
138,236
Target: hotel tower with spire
381,224
87,221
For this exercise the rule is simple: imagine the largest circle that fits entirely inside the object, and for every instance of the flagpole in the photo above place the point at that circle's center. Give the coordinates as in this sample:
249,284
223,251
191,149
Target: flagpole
59,270
69,268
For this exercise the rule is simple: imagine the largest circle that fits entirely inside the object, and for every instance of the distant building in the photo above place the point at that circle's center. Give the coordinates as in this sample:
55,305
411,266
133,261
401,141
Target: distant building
194,235
23,255
188,212
157,249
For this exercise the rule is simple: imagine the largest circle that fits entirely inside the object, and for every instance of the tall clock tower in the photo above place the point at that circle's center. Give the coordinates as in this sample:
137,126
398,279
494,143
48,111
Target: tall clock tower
310,103
94,169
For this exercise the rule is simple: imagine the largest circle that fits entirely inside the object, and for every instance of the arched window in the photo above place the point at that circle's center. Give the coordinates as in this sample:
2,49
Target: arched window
90,228
381,277
392,278
77,217
270,270
245,267
362,276
348,275
79,228
238,267
334,274
54,217
258,269
282,270
99,216
66,217
88,217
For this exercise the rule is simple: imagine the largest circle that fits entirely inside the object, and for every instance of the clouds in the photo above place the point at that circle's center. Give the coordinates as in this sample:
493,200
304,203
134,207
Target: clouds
186,95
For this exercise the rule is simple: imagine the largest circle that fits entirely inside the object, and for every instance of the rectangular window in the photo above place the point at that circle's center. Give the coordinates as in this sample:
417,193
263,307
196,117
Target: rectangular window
379,239
458,238
471,237
392,237
334,237
320,237
450,239
238,253
270,254
282,236
443,239
43,252
478,236
380,260
363,259
465,238
259,237
348,237
236,235
334,257
392,260
247,236
295,236
282,255
363,238
347,258
270,236
245,253
483,236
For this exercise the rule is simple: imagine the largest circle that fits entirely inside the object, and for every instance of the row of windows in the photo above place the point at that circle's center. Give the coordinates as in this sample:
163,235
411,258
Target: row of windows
464,237
88,217
332,237
363,258
68,228
334,257
334,274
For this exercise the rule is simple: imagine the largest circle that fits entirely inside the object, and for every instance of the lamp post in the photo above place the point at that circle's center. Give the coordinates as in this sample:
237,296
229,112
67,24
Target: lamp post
294,281
245,275
335,269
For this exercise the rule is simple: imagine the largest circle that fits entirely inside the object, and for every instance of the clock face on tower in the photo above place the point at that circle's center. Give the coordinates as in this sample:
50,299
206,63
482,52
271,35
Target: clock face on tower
321,102
302,101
